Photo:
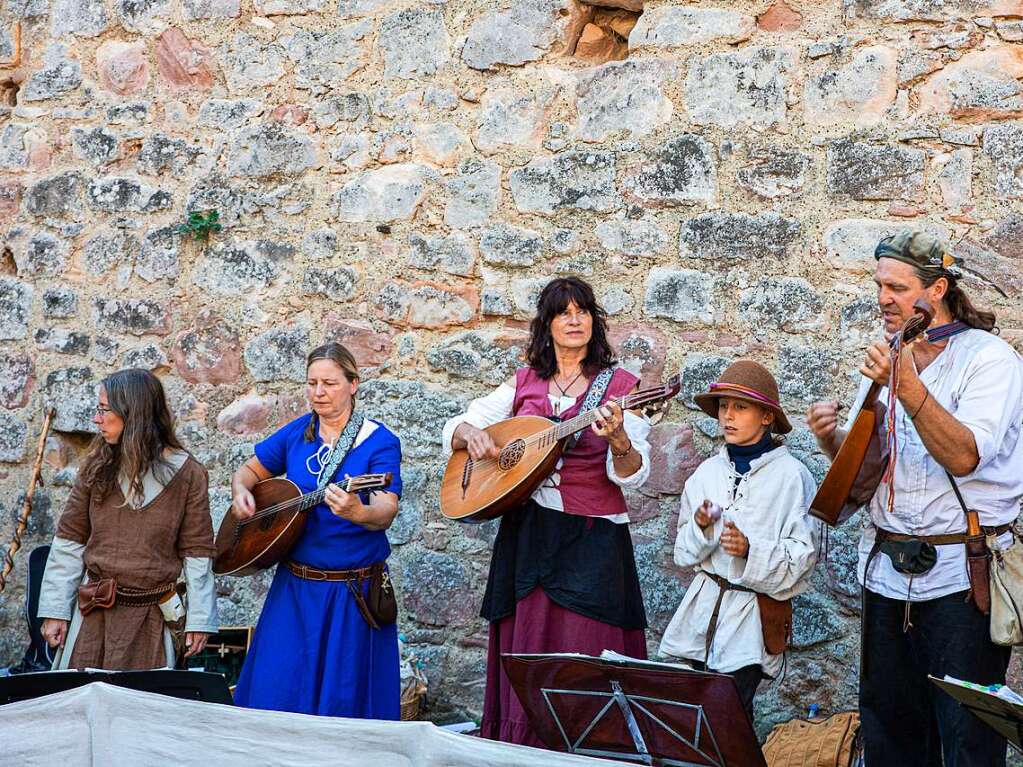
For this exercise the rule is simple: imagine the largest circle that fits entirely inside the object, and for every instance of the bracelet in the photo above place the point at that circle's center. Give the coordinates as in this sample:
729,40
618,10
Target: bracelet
623,454
927,395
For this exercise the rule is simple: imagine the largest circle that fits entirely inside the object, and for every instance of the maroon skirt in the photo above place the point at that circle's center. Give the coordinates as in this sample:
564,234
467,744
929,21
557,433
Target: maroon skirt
538,625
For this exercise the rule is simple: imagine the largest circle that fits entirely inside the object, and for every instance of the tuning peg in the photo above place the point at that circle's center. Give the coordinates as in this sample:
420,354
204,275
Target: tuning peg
655,412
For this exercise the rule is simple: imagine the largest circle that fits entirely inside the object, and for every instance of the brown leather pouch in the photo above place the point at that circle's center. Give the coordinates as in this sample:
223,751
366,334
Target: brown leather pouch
978,564
775,622
376,601
381,600
978,557
97,595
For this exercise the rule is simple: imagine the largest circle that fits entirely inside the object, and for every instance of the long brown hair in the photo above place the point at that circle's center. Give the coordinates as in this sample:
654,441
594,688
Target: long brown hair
553,299
340,356
137,397
959,304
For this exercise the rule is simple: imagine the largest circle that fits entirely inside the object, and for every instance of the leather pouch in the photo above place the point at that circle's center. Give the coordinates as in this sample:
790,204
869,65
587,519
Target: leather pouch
97,595
376,602
381,600
775,622
978,556
913,557
978,564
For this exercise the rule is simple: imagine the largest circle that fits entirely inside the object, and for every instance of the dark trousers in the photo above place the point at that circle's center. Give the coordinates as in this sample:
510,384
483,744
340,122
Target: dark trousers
907,721
747,679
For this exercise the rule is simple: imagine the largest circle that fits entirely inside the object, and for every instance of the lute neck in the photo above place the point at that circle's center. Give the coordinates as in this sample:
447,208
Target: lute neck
582,420
308,500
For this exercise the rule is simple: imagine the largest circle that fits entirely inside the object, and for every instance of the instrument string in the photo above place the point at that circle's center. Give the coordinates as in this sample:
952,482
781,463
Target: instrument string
310,499
487,467
313,498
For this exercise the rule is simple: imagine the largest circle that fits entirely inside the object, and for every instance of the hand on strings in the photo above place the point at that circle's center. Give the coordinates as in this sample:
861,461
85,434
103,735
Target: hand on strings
344,505
611,426
877,364
195,641
243,505
54,631
479,444
733,541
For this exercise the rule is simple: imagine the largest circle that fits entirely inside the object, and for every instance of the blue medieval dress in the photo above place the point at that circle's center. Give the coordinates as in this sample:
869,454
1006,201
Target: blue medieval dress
312,651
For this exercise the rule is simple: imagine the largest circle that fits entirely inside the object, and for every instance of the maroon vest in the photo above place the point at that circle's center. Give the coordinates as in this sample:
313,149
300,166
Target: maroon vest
585,487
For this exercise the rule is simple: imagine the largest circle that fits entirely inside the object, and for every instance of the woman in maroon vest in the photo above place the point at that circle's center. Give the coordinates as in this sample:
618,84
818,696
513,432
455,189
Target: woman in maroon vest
563,576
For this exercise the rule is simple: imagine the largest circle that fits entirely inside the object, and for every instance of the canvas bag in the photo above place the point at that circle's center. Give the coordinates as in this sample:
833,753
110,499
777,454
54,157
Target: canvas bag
1005,577
833,742
1006,592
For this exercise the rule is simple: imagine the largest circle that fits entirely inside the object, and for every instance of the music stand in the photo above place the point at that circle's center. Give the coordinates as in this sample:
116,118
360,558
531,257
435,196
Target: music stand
634,711
1002,716
189,685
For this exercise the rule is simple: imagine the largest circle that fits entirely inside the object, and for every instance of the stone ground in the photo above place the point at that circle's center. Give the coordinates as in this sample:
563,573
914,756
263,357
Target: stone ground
405,176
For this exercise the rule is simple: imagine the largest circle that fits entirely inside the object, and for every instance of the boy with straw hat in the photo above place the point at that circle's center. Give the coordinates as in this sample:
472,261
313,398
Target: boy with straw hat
743,525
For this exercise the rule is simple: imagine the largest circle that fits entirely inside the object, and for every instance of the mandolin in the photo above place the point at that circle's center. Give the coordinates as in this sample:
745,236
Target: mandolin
246,546
859,464
530,446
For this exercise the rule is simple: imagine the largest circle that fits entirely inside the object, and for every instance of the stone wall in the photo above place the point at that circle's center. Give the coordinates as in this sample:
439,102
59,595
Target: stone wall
405,176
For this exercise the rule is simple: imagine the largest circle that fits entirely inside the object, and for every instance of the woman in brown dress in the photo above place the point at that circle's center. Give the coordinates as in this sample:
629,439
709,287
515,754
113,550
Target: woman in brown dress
138,514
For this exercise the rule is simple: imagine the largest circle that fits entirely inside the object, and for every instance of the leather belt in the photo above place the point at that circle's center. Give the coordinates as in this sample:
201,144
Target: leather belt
723,585
97,594
343,576
948,539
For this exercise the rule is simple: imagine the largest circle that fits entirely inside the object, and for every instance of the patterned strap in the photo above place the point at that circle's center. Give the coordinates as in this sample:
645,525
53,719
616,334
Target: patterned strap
941,332
594,396
343,446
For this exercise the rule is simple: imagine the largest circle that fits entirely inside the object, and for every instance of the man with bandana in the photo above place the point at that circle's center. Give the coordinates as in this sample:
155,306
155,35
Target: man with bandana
954,417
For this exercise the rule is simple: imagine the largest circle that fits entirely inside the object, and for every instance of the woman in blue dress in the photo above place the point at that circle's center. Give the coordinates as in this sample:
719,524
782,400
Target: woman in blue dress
313,651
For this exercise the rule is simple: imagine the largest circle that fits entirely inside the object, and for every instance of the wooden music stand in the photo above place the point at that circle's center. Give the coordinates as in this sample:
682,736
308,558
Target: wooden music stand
634,711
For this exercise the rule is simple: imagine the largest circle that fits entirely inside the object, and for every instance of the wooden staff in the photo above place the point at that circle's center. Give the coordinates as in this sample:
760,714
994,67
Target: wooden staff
26,508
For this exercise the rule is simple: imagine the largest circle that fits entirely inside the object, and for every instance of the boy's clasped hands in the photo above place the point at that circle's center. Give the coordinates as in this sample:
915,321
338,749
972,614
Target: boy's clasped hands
732,540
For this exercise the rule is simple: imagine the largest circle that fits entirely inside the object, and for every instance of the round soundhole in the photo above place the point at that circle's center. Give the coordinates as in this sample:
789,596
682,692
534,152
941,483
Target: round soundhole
511,454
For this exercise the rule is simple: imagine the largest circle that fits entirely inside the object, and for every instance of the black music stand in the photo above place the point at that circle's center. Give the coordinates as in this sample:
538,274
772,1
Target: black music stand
189,685
1002,716
629,710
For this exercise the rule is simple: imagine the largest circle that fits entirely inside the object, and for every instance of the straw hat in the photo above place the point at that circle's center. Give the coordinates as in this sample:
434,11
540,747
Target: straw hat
751,381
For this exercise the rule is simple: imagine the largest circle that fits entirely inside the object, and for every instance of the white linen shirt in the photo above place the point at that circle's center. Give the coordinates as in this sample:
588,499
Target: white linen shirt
978,378
496,406
769,506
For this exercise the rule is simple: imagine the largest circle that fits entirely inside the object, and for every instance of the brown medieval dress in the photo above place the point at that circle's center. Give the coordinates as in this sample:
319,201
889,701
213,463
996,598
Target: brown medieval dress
143,548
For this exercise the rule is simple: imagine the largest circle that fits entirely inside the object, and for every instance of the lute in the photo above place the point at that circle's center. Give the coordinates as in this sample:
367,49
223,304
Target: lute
246,546
530,446
859,464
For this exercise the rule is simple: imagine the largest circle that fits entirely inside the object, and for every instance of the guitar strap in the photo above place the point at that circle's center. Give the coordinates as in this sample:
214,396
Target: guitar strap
594,396
343,446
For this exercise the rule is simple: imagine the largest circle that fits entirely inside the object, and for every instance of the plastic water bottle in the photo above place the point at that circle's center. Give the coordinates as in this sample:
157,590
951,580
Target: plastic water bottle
811,713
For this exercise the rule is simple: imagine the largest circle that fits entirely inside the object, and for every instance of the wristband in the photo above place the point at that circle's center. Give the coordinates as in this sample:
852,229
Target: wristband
927,396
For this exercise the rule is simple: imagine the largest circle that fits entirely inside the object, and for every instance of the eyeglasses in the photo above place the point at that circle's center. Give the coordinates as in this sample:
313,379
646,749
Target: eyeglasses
101,411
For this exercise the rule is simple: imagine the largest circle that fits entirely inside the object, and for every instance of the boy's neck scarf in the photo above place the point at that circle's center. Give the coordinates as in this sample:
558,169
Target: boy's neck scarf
743,455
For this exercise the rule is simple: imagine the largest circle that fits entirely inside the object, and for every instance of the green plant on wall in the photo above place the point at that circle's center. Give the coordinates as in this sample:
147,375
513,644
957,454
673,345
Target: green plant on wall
200,226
